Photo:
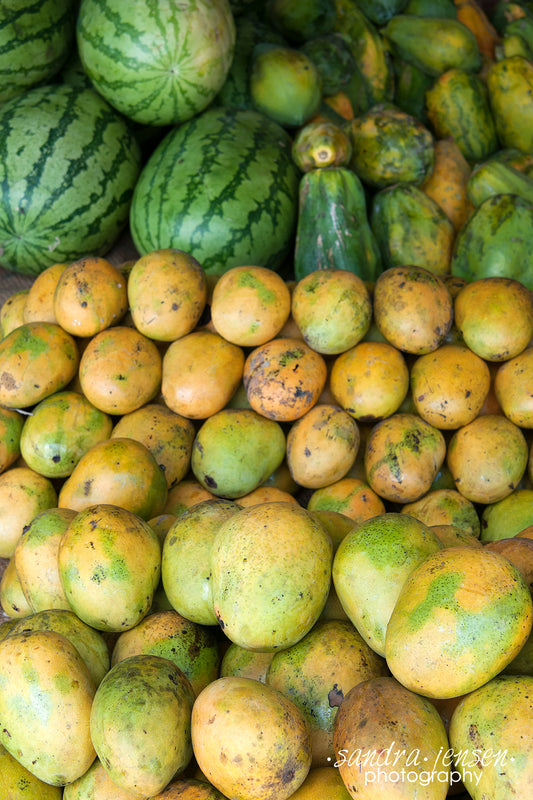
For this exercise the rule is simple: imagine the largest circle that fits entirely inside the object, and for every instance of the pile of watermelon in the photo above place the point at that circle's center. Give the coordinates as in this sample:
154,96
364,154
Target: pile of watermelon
197,124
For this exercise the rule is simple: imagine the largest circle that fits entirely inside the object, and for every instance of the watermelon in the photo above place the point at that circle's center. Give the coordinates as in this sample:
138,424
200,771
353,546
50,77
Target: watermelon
68,166
222,187
158,62
35,40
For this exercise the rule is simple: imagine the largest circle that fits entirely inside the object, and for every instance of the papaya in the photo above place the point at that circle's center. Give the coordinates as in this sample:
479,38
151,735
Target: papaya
373,79
495,177
435,44
390,146
458,107
250,31
426,241
285,84
410,87
333,231
505,12
333,58
299,22
473,15
497,240
512,44
321,144
510,85
447,183
431,8
380,11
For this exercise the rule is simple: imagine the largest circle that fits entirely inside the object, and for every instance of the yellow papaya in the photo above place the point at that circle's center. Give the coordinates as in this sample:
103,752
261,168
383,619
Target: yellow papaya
471,14
510,86
446,184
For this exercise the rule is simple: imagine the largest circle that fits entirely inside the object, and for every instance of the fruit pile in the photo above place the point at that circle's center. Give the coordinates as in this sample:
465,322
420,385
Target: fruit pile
266,489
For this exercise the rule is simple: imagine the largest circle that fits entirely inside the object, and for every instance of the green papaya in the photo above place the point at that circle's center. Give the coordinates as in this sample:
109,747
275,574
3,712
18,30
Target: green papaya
523,28
375,80
496,177
410,87
249,32
458,107
380,11
431,8
333,231
334,60
411,228
505,12
434,44
390,146
512,45
510,87
285,85
301,21
497,240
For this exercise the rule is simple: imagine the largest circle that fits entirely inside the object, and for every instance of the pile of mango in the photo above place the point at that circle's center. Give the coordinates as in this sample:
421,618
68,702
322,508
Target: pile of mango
271,537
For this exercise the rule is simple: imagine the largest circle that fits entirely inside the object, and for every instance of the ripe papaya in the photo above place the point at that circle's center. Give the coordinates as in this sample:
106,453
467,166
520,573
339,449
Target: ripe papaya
447,183
390,146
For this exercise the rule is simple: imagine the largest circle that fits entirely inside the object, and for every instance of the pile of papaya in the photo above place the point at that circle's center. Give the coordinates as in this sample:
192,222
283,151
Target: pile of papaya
268,533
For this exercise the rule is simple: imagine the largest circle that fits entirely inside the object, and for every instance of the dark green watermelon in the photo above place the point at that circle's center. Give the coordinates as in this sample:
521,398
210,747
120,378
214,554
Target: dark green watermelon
222,187
158,63
68,165
36,37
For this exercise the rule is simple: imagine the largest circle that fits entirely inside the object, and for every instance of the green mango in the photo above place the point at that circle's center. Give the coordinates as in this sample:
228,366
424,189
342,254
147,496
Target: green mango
496,241
235,450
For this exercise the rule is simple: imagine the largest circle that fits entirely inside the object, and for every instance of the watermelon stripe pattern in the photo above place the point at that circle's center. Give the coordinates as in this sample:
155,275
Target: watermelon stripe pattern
36,38
156,61
68,166
223,187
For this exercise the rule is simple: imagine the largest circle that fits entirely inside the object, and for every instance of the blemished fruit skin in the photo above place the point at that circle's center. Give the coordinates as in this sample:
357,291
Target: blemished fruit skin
46,694
269,586
249,740
491,727
461,616
153,62
68,162
234,191
140,723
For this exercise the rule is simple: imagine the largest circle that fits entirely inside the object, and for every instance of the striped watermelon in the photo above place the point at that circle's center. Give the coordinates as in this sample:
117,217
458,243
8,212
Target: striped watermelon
68,165
158,62
223,187
35,40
